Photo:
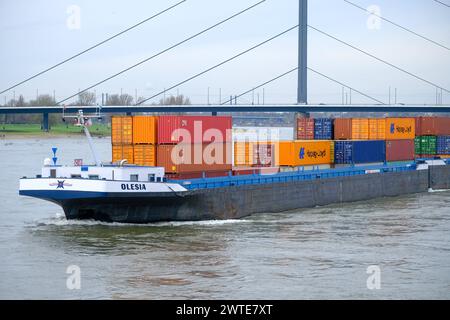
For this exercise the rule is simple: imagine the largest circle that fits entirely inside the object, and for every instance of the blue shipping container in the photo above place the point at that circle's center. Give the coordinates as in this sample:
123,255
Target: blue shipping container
368,151
443,145
323,129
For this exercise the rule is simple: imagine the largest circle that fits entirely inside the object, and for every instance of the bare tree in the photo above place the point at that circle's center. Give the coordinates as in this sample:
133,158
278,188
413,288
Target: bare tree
86,98
124,99
43,100
175,100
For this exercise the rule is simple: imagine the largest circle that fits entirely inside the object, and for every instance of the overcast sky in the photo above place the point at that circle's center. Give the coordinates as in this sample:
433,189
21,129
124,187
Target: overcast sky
36,34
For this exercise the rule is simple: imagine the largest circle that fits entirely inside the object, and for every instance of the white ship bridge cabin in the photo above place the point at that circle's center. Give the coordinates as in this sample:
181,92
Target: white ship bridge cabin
110,172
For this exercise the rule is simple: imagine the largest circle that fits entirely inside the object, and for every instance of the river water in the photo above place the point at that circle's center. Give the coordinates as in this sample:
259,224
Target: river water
319,253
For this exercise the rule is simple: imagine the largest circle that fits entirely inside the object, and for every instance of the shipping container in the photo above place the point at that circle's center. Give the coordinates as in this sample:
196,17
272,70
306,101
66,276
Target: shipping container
194,157
305,129
443,145
342,128
121,130
399,150
254,154
400,128
425,145
144,129
193,129
122,152
323,129
303,152
434,126
144,154
360,129
377,129
353,152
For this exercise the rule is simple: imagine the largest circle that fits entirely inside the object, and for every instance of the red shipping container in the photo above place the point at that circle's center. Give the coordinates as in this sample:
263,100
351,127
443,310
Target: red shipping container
305,129
343,129
193,129
399,150
432,126
199,157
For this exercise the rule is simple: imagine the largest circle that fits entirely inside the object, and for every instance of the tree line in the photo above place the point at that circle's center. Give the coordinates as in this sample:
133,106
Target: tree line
84,99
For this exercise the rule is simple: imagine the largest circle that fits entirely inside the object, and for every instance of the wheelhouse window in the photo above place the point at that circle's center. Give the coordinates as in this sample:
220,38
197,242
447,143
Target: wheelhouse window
75,176
134,177
94,176
151,177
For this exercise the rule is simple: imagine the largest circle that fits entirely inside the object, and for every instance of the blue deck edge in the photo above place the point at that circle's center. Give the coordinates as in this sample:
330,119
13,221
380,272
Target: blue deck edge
299,175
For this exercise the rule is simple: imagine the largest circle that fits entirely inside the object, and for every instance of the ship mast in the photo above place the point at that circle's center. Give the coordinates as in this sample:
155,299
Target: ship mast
82,120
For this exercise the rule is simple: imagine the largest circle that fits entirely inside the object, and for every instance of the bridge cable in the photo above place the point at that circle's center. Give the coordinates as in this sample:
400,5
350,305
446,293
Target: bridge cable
444,4
163,51
93,47
343,84
397,25
379,59
219,64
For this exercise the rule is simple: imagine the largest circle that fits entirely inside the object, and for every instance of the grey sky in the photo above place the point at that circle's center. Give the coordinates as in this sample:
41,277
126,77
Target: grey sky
35,35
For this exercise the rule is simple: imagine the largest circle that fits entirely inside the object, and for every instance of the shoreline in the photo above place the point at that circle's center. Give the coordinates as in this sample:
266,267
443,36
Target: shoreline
46,135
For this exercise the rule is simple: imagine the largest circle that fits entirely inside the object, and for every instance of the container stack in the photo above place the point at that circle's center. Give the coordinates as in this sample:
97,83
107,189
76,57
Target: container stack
400,134
432,137
194,145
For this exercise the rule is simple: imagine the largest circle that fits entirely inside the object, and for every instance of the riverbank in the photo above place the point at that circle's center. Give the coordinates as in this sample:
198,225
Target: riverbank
34,130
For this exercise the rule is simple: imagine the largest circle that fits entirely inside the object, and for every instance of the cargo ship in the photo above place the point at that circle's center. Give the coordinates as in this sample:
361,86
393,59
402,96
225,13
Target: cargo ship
140,186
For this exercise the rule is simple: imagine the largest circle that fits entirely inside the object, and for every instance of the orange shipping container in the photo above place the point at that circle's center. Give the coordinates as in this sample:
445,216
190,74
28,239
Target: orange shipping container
196,157
144,155
144,129
304,152
400,128
377,129
121,130
253,153
121,152
360,129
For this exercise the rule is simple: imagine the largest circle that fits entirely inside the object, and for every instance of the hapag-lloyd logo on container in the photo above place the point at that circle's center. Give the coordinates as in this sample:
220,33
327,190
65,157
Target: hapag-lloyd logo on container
215,149
399,129
311,154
